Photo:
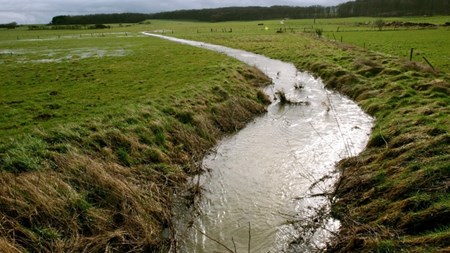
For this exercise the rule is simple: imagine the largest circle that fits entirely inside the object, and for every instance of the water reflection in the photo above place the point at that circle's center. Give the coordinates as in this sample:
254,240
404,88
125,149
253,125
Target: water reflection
275,169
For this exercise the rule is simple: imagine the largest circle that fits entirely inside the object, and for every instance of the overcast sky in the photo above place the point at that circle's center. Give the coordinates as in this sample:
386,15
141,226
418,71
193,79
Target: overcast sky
42,11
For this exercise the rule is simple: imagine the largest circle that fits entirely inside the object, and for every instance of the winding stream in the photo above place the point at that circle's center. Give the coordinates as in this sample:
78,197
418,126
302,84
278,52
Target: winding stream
275,169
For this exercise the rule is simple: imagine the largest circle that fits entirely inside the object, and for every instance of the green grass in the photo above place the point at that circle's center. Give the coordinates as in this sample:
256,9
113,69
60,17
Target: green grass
133,71
97,133
429,43
394,196
90,146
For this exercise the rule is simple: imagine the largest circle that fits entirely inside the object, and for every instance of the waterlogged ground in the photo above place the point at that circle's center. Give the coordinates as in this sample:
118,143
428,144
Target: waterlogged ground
47,48
266,174
59,55
69,80
91,150
405,161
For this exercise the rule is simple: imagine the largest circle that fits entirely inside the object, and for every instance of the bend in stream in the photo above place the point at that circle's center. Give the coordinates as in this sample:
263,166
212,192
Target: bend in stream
276,169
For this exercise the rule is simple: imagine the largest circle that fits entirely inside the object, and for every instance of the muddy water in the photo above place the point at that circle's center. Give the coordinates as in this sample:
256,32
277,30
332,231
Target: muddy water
272,171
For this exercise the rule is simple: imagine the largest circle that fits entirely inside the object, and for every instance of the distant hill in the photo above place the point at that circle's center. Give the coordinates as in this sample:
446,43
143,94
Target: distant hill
375,8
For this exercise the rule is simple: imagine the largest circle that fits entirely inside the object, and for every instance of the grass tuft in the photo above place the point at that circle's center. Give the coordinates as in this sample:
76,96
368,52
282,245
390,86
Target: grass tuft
26,154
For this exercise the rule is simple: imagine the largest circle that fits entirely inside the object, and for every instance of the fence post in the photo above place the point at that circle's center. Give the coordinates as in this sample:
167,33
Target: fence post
428,63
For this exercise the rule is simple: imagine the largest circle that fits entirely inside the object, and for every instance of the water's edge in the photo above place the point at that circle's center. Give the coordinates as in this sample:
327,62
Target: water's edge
277,168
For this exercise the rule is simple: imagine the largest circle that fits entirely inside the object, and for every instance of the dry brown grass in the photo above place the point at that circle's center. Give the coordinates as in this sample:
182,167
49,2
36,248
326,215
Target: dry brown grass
84,205
110,186
233,114
7,246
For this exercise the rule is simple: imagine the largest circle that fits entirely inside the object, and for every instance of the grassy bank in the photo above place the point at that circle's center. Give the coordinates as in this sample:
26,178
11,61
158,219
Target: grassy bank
395,195
98,131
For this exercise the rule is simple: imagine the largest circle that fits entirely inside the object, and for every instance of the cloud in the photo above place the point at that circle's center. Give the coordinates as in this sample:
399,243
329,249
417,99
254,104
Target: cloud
42,11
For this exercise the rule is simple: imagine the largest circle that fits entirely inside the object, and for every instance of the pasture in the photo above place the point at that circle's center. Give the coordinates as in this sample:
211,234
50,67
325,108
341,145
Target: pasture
98,131
429,42
99,128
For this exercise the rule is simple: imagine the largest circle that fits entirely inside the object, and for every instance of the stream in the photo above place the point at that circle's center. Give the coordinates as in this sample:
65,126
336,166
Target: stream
265,184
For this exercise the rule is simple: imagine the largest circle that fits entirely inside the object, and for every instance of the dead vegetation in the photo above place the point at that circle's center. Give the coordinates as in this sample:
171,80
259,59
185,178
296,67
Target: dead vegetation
284,100
109,185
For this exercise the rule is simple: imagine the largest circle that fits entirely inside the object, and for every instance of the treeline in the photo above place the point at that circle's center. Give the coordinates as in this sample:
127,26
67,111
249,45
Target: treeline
100,19
394,8
11,25
375,8
68,27
249,13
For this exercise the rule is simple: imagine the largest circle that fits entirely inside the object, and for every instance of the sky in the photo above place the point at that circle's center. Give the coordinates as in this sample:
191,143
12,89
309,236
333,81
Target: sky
42,11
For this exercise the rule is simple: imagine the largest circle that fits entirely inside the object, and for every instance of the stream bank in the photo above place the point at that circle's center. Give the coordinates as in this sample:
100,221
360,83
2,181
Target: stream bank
394,195
104,181
280,167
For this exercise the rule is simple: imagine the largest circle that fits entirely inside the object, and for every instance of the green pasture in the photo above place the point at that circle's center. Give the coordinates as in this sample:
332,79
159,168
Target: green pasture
99,129
431,43
65,78
114,121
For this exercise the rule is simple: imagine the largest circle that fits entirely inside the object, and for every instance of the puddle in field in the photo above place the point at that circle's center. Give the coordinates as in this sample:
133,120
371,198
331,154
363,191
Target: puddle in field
59,55
74,36
275,169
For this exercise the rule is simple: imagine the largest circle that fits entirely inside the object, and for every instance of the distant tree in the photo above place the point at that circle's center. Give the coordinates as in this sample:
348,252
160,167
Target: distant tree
114,18
11,25
59,20
379,23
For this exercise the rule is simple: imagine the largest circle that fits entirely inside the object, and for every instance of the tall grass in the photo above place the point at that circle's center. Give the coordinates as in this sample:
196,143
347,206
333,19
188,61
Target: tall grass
94,148
86,170
393,196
